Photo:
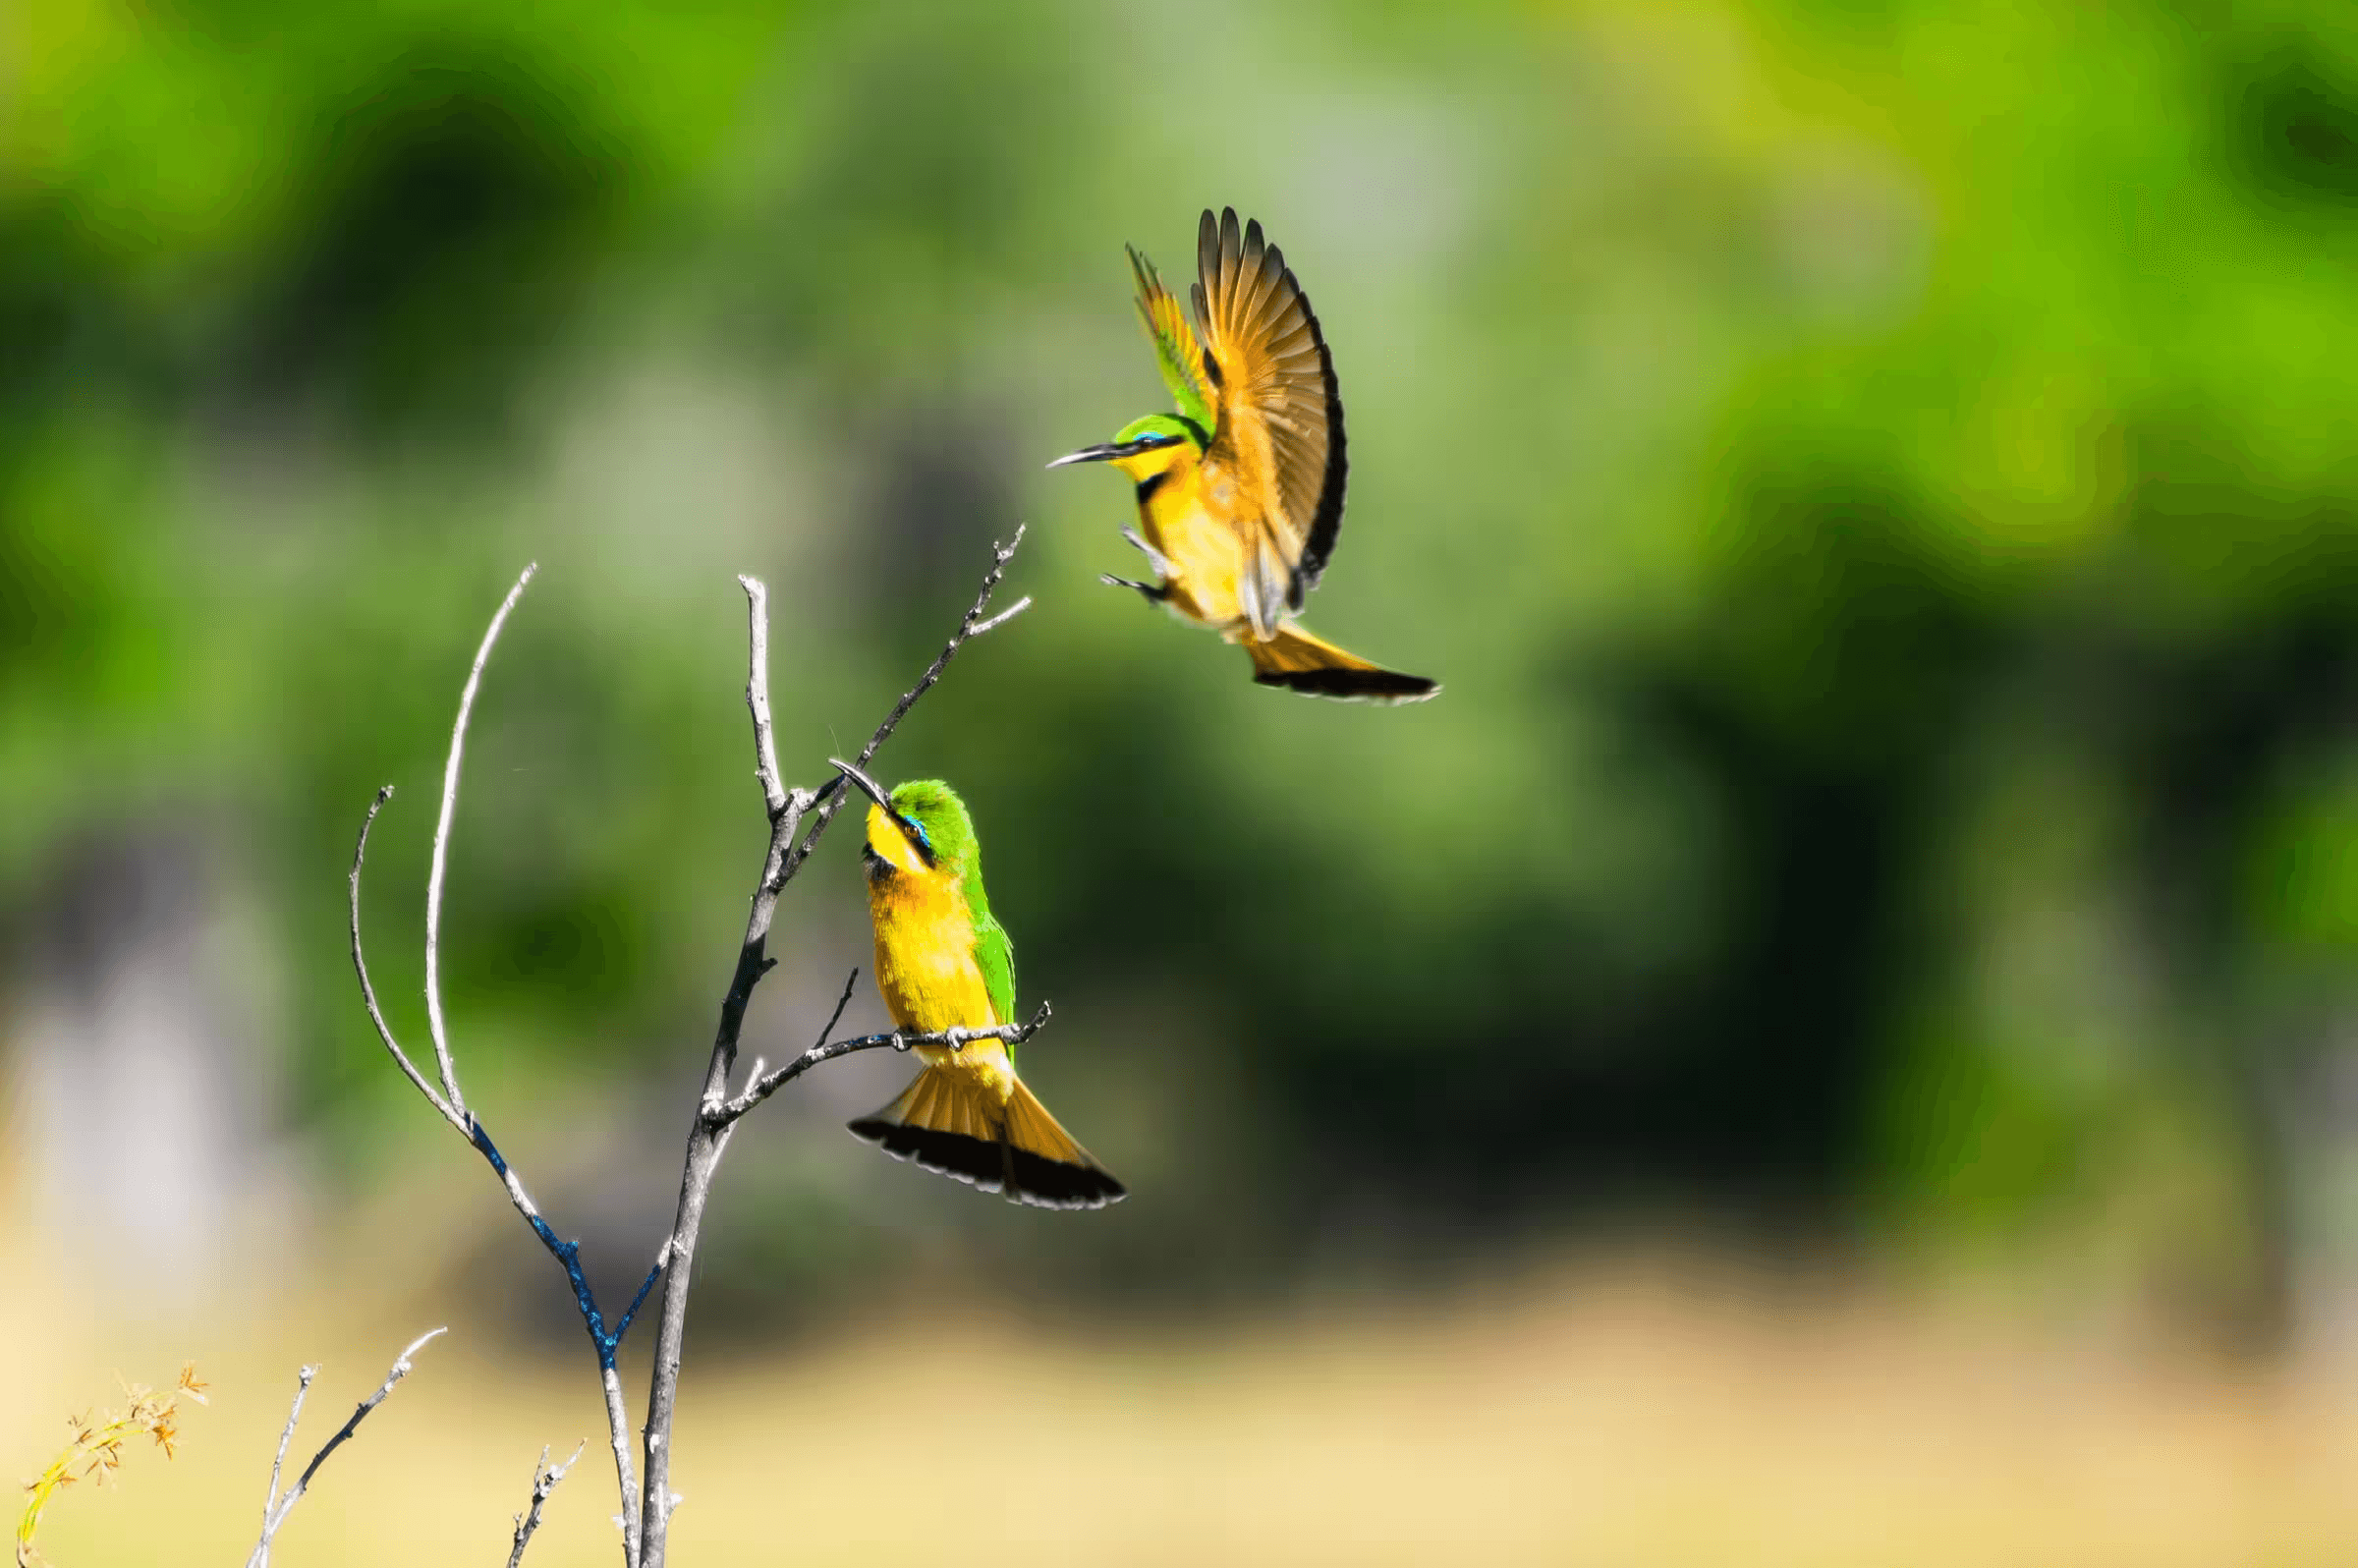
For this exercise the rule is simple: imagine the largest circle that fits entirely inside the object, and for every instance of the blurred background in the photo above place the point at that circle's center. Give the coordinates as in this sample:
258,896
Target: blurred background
1830,1042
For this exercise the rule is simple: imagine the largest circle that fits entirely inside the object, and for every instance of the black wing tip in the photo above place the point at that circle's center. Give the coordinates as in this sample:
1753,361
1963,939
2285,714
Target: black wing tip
1019,1175
1327,525
1386,688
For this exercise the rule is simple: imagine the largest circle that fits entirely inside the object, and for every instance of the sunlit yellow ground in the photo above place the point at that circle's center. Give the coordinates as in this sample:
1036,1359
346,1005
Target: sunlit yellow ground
1606,1417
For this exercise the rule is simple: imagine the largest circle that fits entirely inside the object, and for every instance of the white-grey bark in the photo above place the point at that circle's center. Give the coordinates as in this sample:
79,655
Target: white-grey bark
281,1506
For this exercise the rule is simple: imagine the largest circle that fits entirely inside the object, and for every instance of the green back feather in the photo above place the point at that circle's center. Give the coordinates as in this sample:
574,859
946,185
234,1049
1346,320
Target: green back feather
950,829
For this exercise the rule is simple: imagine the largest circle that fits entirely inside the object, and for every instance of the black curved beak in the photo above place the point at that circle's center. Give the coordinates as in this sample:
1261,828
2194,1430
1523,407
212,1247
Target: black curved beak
875,792
1107,451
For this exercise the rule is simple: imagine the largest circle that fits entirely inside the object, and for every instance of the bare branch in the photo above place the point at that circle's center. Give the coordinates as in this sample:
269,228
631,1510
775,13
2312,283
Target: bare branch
285,1506
303,1386
544,1481
764,1086
756,695
451,1107
450,805
708,1134
647,1506
1003,617
662,1256
831,798
360,964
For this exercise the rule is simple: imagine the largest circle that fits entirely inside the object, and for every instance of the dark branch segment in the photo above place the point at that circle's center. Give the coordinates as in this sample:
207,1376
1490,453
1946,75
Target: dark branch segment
284,1504
451,1105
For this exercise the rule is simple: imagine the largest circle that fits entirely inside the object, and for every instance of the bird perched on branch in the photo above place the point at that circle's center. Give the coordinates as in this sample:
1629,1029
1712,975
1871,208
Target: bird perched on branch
1240,493
944,964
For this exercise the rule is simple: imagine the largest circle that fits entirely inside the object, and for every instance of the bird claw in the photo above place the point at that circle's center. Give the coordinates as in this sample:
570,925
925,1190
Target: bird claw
1154,592
954,1038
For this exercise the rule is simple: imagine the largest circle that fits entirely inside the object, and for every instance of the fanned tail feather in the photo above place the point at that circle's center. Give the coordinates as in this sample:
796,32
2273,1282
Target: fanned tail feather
948,1122
1295,659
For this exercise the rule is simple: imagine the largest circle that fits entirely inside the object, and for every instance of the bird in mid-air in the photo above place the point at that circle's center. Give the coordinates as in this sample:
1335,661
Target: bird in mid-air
1240,493
943,964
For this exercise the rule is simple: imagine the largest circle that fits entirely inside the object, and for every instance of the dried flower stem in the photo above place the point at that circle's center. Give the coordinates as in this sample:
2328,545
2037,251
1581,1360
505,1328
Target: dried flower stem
95,1449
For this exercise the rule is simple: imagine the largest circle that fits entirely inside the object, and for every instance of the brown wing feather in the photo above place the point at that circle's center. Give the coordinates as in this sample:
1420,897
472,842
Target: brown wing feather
1280,429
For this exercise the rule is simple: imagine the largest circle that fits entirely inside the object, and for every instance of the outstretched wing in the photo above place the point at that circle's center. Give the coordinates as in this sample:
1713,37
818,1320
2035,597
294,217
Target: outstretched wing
1280,428
1175,348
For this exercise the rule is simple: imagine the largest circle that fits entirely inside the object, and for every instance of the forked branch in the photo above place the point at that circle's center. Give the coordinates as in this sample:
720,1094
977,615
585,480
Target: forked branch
647,1502
708,1134
451,1103
275,1514
545,1477
761,1084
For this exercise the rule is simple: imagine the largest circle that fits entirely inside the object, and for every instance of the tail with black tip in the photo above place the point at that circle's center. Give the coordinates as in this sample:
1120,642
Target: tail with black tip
947,1121
1298,662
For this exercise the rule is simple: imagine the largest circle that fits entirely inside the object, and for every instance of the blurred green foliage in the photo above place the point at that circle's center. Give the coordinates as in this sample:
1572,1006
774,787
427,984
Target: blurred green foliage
1877,481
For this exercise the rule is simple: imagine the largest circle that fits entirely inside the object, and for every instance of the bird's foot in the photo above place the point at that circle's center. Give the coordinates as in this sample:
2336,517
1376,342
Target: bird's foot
954,1038
1153,593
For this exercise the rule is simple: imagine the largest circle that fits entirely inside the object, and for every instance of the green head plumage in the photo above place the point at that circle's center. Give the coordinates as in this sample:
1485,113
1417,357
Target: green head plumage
944,827
1160,429
1148,433
938,835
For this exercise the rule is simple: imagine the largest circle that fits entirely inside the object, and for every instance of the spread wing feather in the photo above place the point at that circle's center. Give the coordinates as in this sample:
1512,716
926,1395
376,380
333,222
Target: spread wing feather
1279,433
1175,348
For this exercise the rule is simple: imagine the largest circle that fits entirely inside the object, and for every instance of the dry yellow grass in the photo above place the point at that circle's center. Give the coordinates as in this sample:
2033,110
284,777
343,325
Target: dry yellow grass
1622,1418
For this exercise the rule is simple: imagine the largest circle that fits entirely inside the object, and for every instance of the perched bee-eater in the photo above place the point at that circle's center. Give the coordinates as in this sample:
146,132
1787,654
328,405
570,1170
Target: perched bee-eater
944,964
1240,493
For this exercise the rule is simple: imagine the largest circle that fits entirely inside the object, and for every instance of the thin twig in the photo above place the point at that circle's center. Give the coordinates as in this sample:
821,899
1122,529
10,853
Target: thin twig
360,964
973,624
622,1324
544,1481
1002,618
303,1386
450,805
761,1087
756,697
708,1134
451,1103
277,1517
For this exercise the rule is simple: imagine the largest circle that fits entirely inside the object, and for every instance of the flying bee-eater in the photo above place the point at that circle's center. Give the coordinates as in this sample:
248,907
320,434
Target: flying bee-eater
943,964
1240,493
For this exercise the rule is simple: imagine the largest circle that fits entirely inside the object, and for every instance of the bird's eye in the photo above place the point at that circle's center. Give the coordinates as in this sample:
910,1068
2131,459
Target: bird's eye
917,830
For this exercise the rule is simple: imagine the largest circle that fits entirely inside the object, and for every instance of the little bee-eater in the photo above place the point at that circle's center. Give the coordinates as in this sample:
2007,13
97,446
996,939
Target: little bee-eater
944,964
1240,493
